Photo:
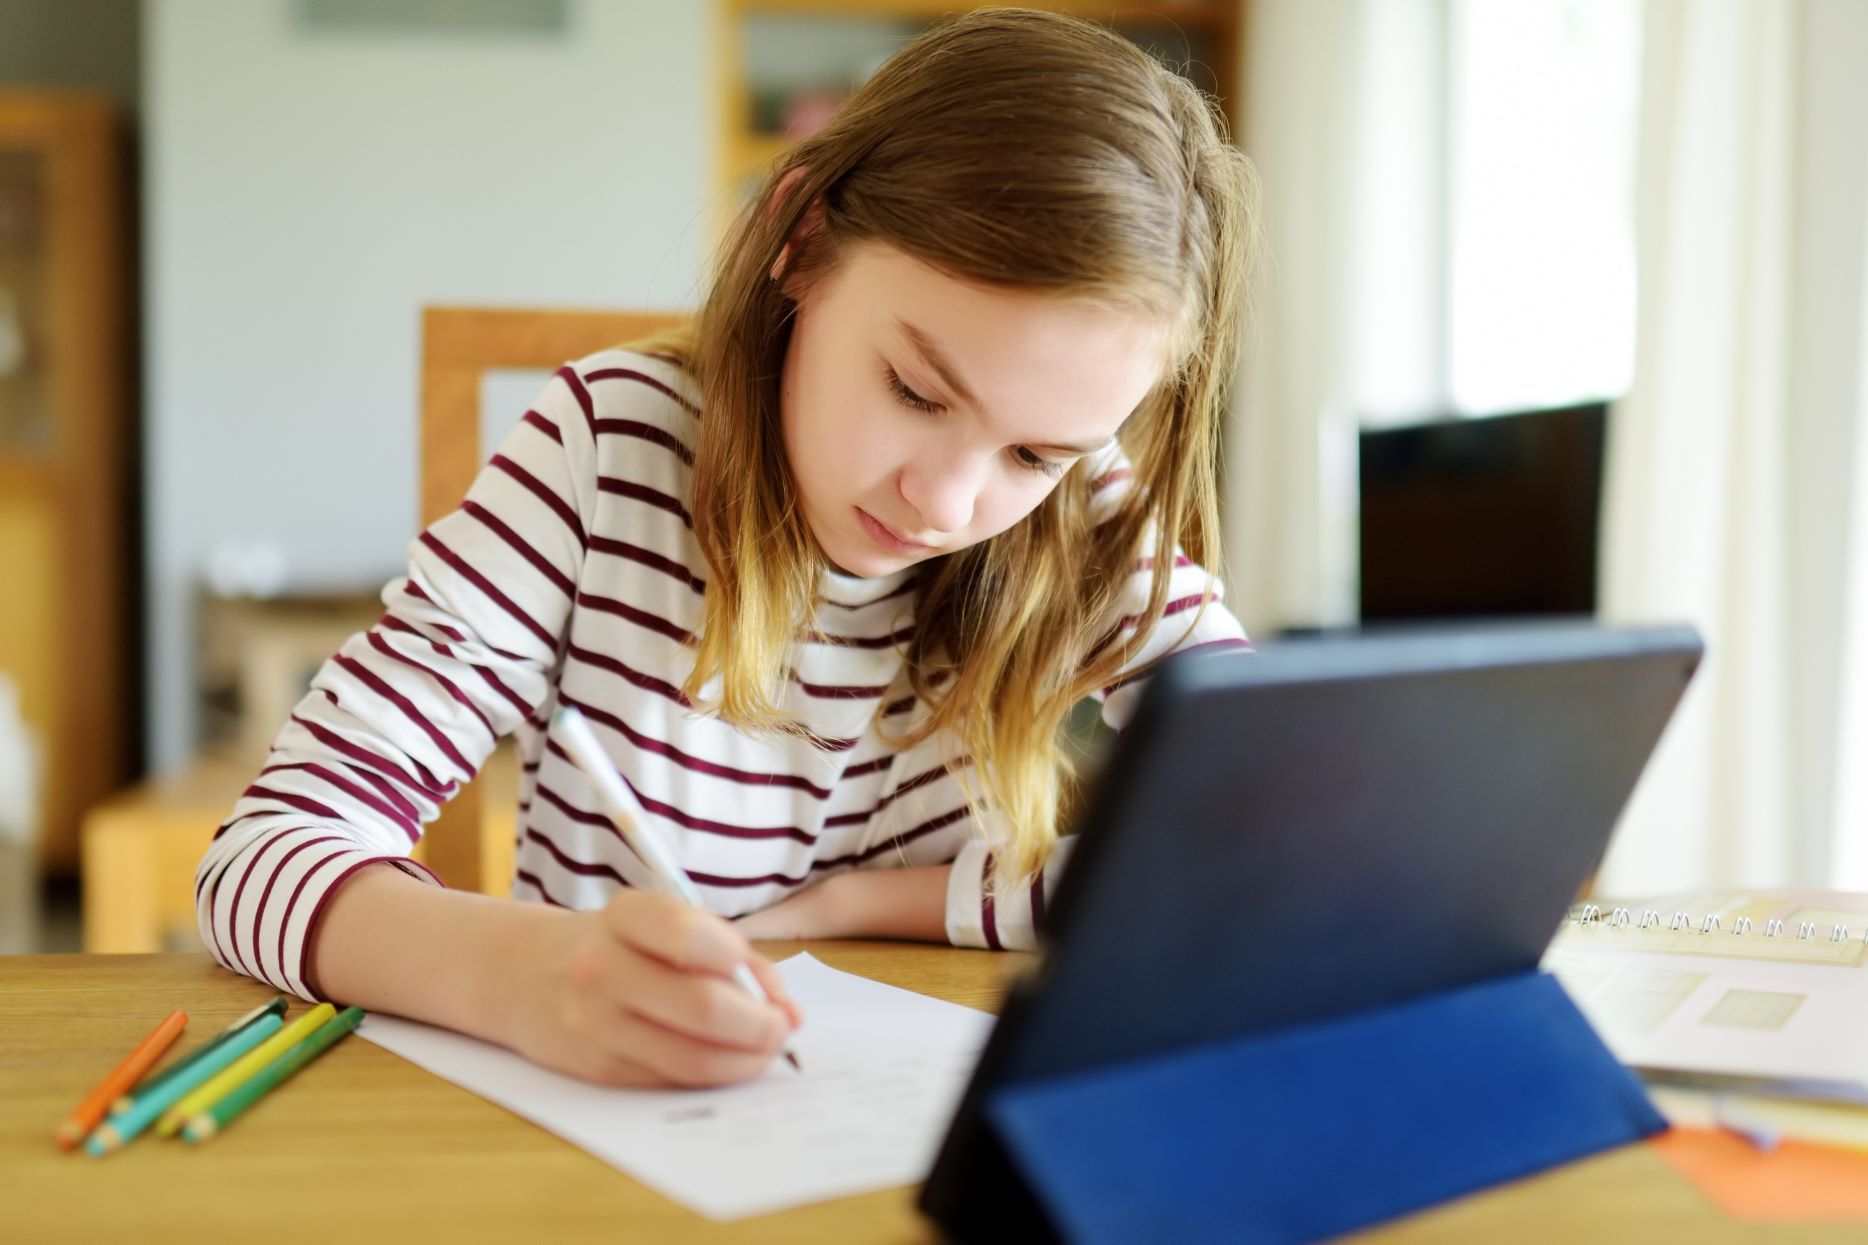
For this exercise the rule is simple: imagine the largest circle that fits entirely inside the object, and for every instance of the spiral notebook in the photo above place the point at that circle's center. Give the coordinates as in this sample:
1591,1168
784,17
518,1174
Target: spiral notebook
1765,989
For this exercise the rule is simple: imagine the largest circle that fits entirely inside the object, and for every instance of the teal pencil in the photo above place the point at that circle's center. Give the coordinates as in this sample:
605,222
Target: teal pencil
274,1008
143,1112
290,1060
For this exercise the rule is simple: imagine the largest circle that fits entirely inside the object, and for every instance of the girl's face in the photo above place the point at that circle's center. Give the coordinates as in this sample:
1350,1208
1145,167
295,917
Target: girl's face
923,414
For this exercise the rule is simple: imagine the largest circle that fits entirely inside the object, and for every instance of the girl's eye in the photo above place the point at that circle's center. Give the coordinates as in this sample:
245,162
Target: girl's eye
1033,462
906,396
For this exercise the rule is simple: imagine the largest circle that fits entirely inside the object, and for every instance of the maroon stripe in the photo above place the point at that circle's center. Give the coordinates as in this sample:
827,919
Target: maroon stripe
861,641
370,680
868,767
642,618
455,694
646,682
435,792
417,870
697,764
543,425
303,803
285,922
818,866
646,495
410,826
390,793
1209,646
582,867
575,384
521,546
988,919
492,680
646,432
233,910
1179,605
415,590
895,708
626,373
513,698
484,585
725,829
648,558
259,912
317,914
832,691
538,489
532,881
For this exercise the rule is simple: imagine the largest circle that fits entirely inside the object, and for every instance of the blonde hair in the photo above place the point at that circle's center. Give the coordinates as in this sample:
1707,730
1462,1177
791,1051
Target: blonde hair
1013,148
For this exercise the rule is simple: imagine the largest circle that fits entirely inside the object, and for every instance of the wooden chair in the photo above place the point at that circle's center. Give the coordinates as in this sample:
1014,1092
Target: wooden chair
141,845
472,851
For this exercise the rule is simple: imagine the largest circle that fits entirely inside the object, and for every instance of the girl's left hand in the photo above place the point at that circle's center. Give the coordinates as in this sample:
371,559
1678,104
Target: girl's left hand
906,903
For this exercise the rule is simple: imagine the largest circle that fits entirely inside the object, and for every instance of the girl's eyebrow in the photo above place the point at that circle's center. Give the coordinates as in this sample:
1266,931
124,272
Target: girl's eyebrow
934,357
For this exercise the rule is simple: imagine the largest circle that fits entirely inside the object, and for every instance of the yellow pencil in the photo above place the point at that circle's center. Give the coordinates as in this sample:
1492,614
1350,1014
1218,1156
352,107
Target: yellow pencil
229,1078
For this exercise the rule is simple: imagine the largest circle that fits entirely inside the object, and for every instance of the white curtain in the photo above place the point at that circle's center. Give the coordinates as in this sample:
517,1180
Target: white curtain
1848,829
1727,498
1342,114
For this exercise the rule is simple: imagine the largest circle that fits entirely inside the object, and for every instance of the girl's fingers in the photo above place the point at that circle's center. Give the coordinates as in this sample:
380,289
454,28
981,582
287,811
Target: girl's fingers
774,984
680,1059
680,936
702,1007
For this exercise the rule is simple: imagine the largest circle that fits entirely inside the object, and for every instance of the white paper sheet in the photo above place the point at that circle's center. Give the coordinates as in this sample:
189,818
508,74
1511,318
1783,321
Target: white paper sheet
883,1071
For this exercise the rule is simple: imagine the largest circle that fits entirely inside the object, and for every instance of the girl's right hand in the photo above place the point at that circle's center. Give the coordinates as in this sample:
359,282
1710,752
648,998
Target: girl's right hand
642,993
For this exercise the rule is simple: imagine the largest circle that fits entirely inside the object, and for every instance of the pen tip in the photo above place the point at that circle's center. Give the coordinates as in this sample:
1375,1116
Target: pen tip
793,1061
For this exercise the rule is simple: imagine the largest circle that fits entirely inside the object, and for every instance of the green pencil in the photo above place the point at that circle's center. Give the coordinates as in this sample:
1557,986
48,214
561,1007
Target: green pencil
274,1008
300,1053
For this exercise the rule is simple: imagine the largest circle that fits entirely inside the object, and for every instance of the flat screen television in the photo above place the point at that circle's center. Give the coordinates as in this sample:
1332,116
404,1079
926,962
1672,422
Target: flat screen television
1492,516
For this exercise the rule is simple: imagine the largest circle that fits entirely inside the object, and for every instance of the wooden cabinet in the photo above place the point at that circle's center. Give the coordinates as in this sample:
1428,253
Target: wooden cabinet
66,448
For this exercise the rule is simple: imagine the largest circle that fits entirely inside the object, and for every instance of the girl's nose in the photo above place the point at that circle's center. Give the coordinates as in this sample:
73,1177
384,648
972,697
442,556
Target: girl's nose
942,492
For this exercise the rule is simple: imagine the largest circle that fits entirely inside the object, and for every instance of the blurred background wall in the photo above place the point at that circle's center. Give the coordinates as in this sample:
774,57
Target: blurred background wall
309,189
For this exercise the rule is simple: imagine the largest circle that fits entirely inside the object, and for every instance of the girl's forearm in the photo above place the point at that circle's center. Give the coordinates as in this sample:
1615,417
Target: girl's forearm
891,903
390,943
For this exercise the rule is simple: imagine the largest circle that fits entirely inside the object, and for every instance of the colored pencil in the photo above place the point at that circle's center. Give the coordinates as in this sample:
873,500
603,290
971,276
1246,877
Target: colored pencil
120,1130
218,1086
274,1008
124,1075
221,1114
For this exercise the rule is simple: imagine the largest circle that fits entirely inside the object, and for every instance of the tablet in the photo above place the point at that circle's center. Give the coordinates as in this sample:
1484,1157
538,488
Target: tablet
1329,825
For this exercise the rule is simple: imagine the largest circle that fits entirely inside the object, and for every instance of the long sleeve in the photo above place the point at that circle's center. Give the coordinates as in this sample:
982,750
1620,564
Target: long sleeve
406,712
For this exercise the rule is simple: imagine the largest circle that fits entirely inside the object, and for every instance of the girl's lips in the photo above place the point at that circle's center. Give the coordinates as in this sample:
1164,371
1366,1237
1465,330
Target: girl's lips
885,536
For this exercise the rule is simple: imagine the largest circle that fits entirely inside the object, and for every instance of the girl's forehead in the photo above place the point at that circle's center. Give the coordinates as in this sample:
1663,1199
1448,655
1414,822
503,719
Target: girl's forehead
1022,350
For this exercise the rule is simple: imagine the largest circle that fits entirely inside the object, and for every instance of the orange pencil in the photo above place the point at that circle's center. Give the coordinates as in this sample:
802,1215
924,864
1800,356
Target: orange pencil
126,1074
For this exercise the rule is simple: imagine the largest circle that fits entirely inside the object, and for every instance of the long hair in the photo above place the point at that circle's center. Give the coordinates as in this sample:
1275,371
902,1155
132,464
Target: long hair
1008,148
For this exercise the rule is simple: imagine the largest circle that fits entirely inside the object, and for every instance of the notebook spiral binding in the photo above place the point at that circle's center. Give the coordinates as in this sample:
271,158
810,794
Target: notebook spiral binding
1586,916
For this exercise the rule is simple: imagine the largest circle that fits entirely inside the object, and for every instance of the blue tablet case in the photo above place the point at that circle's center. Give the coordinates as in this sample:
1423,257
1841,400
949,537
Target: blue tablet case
1309,1133
1290,983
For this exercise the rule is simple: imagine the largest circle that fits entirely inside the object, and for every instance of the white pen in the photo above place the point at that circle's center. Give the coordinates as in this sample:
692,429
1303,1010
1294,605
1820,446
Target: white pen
632,822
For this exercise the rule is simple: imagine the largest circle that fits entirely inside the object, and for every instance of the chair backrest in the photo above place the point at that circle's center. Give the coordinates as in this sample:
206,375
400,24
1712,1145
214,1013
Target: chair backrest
470,850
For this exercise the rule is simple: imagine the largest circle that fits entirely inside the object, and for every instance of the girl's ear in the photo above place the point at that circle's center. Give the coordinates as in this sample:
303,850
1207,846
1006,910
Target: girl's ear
810,223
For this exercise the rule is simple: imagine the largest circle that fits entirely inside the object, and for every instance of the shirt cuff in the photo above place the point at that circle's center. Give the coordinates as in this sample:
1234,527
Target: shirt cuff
1007,921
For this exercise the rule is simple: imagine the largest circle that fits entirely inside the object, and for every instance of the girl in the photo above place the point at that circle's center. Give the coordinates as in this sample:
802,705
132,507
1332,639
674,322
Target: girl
825,572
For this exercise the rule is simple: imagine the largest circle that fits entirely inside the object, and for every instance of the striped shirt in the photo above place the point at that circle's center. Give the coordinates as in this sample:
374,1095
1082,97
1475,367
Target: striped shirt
570,575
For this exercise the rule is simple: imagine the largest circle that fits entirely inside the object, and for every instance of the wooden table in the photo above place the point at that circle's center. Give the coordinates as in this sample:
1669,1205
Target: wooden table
369,1146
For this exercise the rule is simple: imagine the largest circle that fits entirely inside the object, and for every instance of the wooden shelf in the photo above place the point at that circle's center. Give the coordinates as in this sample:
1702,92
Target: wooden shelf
65,469
743,153
1213,15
